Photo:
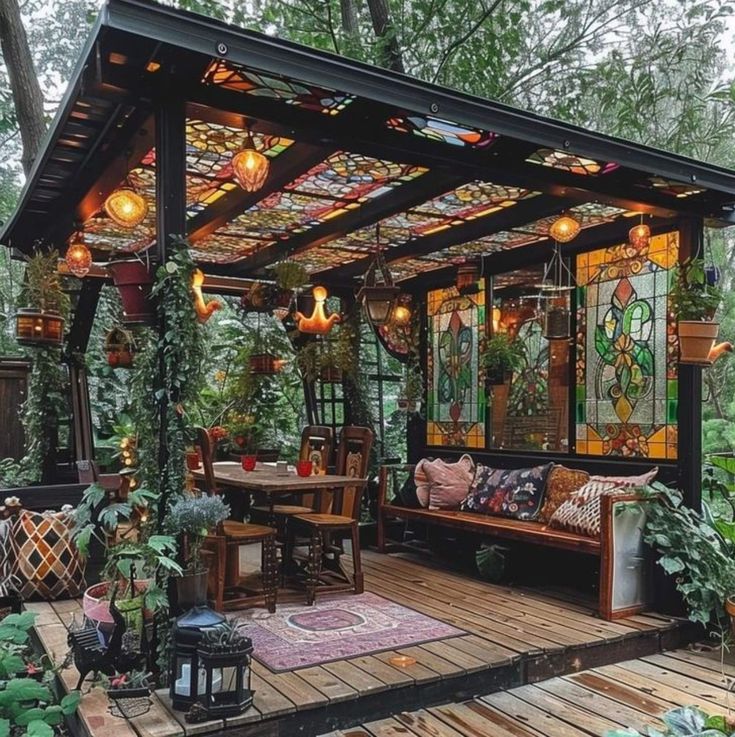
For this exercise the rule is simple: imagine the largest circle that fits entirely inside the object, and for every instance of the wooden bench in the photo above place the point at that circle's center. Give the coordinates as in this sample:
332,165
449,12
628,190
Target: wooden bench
624,561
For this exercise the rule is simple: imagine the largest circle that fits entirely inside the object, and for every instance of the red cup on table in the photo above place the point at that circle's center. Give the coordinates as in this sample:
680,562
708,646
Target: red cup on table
193,461
304,468
248,462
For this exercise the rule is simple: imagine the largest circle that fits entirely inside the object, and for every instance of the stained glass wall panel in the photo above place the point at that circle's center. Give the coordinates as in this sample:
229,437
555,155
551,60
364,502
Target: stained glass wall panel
456,402
627,389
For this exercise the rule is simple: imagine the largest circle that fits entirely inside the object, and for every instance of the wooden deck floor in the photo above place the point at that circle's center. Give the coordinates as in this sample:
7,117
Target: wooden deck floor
514,637
634,693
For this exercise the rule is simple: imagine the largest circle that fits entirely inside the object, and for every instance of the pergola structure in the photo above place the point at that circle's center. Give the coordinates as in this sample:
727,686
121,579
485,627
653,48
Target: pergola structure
162,99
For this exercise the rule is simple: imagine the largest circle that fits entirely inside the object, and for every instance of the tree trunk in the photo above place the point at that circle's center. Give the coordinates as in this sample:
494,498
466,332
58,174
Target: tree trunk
23,81
349,16
390,52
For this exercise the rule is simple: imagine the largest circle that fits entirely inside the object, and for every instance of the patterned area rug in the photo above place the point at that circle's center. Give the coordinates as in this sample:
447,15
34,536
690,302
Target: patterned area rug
337,628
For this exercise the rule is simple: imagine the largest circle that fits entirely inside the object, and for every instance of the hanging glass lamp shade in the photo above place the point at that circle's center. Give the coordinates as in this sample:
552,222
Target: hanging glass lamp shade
378,294
78,258
250,167
126,207
639,235
401,316
565,228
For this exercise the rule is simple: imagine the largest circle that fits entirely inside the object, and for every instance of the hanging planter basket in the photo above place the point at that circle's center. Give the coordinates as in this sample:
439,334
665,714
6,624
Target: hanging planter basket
265,364
134,282
39,327
128,703
696,340
120,348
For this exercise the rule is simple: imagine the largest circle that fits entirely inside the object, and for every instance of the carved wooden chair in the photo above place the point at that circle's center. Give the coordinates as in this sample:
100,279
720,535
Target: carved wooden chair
316,446
224,576
325,531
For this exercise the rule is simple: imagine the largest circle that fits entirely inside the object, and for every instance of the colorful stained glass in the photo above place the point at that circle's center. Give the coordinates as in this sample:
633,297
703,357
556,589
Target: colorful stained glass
224,249
505,239
456,403
627,389
436,129
327,257
675,189
292,92
569,162
348,176
411,267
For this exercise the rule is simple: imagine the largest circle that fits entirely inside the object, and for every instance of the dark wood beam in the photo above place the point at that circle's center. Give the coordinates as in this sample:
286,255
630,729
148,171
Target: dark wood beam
294,161
521,213
503,162
589,239
84,310
402,198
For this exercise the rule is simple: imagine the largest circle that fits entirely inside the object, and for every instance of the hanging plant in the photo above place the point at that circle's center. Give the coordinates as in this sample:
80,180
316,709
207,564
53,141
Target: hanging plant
290,275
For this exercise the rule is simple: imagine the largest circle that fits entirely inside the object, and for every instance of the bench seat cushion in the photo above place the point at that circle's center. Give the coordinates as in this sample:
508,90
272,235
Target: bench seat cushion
502,527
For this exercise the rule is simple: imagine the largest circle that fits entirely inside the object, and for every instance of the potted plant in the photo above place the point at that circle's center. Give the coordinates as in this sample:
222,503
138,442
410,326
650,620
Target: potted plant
685,721
694,301
698,551
129,694
41,321
192,518
500,358
290,275
134,281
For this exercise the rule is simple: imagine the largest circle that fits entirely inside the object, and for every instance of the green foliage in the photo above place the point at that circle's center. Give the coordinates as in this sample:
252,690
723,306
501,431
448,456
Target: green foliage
699,554
290,275
42,286
692,298
27,707
194,517
334,351
684,721
501,355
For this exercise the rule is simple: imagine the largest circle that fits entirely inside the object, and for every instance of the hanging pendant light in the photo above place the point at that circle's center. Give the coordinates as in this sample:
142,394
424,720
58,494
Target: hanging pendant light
556,290
78,257
401,316
126,207
378,294
639,235
565,228
250,167
318,323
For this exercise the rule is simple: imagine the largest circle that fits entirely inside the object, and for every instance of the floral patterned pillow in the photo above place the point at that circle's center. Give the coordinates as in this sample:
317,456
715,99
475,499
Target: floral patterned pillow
517,493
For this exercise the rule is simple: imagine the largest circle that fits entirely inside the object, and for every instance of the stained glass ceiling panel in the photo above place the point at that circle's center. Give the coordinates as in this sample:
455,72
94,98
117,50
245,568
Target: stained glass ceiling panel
292,92
326,257
569,162
437,129
221,249
341,183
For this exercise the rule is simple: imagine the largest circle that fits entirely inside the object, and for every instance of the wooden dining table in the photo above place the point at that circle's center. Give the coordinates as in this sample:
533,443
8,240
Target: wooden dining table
266,480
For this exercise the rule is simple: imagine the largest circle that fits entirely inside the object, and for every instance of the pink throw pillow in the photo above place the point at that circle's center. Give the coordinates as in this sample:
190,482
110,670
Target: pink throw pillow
628,481
442,485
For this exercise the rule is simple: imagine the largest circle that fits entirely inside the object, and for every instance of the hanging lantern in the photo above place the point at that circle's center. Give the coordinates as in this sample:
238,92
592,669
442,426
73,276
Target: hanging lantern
401,316
78,258
38,327
378,294
265,364
565,228
639,235
120,348
556,290
126,207
250,167
318,323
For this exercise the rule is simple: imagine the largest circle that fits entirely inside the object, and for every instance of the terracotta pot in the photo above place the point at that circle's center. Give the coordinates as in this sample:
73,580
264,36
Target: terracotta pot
96,605
696,340
191,590
134,282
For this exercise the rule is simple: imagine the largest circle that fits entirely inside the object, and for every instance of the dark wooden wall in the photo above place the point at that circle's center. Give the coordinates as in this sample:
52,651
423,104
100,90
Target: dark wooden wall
13,386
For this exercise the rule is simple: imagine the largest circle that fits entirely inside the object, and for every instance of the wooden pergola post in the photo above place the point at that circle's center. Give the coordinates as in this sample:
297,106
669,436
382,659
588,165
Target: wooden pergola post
170,120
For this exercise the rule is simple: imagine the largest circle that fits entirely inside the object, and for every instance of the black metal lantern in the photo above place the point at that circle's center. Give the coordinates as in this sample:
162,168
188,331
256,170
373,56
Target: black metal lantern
187,680
224,664
378,294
